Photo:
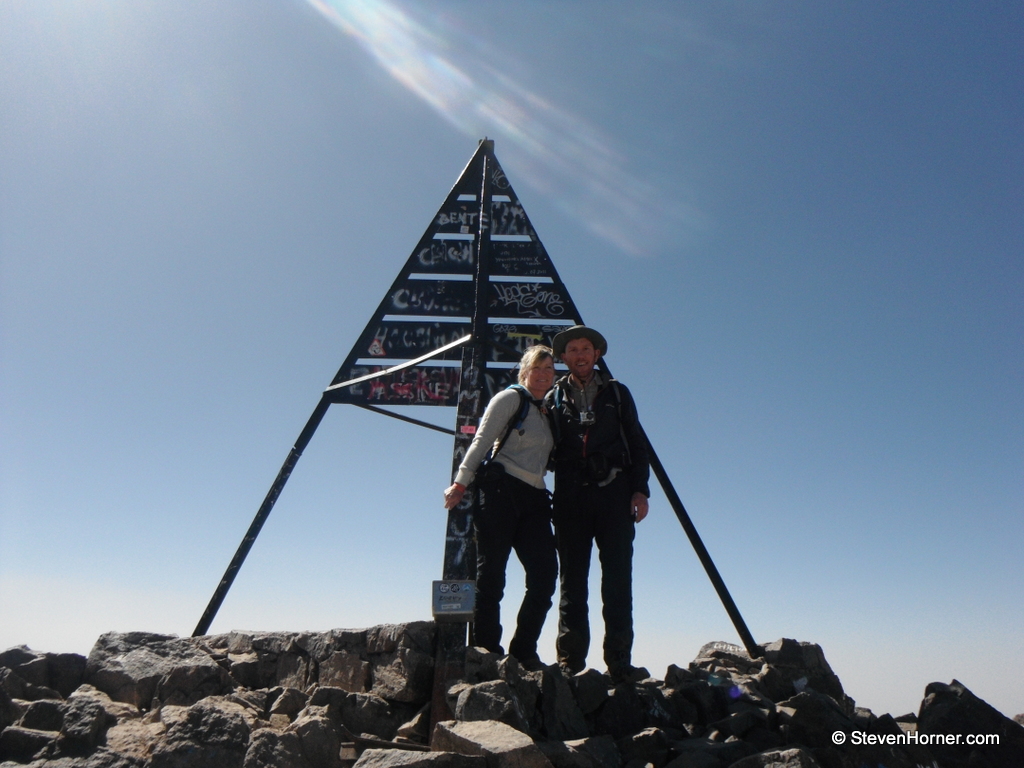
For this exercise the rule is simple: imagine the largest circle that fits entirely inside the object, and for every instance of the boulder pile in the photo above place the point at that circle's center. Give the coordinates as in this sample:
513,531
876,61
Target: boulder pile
362,698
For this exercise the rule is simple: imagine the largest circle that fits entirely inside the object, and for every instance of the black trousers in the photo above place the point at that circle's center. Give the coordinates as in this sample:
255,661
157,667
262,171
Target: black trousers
513,515
586,514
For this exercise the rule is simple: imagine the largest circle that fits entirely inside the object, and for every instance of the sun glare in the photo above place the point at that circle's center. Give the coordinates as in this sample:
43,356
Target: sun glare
560,154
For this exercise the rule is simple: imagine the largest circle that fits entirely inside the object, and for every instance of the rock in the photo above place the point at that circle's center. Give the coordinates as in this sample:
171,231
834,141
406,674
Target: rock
18,688
952,710
269,748
137,667
481,665
319,736
650,745
212,732
22,744
27,664
811,718
502,745
405,675
289,699
359,712
563,719
399,758
697,753
792,667
134,740
622,714
526,691
416,730
43,715
82,724
346,670
789,758
492,700
115,711
591,688
602,750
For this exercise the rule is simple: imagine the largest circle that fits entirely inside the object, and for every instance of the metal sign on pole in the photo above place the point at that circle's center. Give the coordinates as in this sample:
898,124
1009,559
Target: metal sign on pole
478,289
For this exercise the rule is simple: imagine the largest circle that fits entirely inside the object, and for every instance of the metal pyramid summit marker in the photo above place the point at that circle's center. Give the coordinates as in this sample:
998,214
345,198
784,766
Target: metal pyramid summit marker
479,270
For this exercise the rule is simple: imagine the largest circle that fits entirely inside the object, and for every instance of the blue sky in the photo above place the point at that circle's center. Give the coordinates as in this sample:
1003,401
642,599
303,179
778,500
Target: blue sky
798,224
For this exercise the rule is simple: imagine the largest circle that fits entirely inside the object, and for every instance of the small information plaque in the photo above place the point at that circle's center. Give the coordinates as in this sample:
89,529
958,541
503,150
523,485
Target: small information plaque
454,600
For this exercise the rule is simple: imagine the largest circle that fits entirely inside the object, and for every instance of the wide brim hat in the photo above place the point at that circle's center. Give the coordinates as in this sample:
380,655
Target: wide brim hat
561,339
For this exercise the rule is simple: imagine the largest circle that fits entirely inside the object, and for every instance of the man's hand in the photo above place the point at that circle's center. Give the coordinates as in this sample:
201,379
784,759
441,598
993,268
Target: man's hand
638,506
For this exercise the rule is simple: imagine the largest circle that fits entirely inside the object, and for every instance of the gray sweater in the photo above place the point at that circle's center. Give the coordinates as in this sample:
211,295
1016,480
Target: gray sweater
525,456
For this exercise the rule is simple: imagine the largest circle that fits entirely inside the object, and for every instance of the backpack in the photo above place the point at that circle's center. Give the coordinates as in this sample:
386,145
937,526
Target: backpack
559,397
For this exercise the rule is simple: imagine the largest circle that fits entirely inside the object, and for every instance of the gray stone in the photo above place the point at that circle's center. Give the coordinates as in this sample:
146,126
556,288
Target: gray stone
953,710
602,749
346,670
695,752
22,744
677,676
135,740
650,745
212,732
591,689
136,667
320,737
563,718
269,748
84,721
811,718
793,667
788,758
359,712
287,701
43,715
66,672
695,760
501,744
416,730
18,688
492,700
622,714
400,758
29,665
404,675
115,711
481,665
525,687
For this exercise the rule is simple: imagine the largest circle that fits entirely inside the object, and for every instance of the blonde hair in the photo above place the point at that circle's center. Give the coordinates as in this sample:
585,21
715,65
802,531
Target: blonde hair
531,358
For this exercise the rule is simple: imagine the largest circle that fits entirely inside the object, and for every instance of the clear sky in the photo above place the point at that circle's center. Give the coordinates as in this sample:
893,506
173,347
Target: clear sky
799,225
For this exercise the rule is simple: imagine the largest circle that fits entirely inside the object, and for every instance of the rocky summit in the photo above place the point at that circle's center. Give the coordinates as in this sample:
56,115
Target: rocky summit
363,698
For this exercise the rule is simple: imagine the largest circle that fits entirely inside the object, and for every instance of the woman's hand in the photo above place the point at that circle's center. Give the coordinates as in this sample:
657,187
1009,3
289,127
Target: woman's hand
453,495
638,506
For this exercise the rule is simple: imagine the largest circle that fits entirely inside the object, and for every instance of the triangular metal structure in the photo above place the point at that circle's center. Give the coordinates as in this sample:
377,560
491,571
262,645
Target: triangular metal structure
477,290
480,250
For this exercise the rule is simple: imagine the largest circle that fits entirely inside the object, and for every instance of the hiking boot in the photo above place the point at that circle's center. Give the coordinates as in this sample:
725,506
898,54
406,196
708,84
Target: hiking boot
533,665
627,673
570,667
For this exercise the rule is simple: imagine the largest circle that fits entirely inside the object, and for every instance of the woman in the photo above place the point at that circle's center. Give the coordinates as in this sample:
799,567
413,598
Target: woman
515,508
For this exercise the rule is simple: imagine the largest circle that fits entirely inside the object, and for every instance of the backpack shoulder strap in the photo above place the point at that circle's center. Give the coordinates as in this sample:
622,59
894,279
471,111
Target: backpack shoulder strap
516,422
617,391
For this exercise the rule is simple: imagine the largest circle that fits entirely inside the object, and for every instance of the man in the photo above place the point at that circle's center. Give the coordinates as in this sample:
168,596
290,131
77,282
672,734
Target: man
601,492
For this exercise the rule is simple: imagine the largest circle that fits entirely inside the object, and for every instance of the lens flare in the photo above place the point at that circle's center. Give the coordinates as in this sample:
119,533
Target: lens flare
560,154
